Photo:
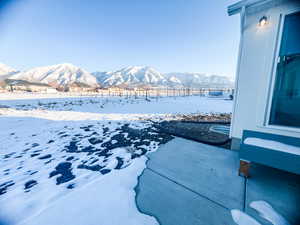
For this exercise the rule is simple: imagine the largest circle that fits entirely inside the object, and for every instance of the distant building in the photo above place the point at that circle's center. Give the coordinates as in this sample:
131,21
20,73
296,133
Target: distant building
215,93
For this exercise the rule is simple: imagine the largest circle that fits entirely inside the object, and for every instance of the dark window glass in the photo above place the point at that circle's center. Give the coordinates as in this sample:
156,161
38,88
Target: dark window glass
285,109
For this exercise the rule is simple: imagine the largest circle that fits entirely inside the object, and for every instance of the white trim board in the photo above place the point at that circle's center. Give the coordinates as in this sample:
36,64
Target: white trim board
237,7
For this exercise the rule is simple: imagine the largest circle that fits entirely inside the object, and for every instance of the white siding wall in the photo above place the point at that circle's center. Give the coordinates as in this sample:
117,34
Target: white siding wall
255,73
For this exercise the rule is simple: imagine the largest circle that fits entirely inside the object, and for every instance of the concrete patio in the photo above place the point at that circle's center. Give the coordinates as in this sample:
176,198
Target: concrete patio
189,183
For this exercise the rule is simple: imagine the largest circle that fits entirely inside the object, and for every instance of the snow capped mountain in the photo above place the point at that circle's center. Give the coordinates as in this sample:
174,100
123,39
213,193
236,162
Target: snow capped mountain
6,71
68,75
61,74
174,82
136,76
131,76
198,80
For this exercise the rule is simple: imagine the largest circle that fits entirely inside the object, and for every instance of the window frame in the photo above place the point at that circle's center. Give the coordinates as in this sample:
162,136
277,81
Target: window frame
274,73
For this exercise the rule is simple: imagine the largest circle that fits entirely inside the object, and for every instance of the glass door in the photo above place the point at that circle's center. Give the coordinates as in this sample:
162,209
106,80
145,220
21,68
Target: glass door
285,109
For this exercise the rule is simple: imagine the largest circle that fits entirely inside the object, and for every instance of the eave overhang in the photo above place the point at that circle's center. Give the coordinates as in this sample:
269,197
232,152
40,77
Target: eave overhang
237,7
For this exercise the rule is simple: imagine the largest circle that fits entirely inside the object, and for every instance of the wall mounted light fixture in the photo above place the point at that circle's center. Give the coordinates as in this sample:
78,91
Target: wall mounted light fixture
263,21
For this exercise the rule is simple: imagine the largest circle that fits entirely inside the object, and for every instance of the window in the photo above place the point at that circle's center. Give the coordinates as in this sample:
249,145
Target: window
285,109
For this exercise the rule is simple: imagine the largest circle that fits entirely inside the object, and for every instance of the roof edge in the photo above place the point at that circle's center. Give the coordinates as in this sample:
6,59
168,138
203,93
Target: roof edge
237,7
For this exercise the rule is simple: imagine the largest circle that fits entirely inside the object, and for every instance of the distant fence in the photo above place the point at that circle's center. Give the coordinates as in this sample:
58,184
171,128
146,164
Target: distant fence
138,93
164,92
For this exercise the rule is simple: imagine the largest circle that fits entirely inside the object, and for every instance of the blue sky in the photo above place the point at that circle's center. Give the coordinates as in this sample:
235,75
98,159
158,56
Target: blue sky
170,35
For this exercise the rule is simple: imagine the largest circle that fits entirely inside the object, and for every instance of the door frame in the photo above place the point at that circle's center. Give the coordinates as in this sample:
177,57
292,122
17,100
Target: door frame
274,73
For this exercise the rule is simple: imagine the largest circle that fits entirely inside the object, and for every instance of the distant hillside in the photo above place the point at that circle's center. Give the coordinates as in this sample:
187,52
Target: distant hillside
198,80
132,76
67,75
135,76
57,75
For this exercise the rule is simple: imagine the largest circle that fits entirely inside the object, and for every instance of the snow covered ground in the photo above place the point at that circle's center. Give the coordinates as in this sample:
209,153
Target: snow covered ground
264,209
119,105
76,160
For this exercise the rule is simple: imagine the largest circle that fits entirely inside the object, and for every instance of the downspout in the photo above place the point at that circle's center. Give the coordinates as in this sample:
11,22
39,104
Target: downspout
243,11
236,86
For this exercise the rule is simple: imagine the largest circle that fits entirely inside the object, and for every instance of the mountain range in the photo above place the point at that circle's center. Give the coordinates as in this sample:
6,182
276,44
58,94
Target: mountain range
57,75
6,71
66,74
131,76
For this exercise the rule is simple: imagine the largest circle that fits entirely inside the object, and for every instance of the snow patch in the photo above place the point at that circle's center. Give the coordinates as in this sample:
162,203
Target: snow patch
273,145
241,218
95,204
267,212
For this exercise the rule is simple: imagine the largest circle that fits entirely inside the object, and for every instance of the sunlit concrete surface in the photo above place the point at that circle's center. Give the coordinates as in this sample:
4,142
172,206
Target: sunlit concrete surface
192,183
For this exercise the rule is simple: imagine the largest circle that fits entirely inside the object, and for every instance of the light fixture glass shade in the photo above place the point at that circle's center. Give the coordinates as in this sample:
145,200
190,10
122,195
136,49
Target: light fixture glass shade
263,21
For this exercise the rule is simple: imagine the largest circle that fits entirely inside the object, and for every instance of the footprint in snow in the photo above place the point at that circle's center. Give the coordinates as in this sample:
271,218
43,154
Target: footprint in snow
29,184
